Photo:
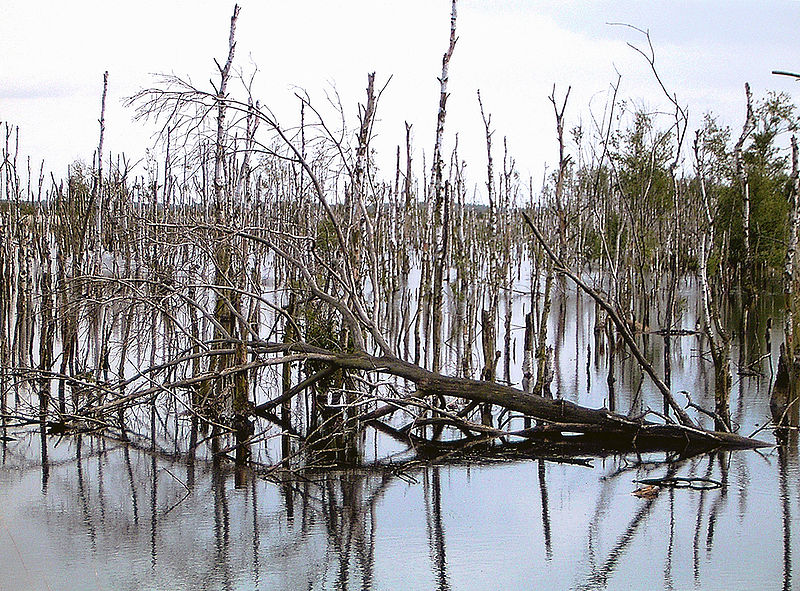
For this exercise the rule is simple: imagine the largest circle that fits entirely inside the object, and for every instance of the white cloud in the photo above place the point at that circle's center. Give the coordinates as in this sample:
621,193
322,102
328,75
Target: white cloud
55,54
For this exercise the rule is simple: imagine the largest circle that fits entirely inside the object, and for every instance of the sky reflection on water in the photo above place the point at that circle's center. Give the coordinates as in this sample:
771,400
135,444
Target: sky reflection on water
99,515
122,519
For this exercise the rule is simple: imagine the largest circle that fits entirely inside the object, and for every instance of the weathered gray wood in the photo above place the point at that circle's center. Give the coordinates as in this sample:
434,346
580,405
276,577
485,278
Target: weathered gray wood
569,416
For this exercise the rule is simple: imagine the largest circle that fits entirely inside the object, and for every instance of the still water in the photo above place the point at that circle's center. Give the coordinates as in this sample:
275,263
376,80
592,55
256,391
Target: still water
106,517
97,514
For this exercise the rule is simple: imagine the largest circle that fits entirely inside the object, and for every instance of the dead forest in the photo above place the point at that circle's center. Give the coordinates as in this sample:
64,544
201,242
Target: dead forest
263,282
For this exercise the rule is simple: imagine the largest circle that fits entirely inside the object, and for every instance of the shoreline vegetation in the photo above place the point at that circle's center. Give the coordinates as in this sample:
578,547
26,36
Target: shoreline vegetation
267,282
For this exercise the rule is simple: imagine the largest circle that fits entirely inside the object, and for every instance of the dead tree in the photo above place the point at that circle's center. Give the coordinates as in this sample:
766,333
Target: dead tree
489,315
314,259
718,338
746,266
563,164
441,198
543,369
227,309
784,403
622,326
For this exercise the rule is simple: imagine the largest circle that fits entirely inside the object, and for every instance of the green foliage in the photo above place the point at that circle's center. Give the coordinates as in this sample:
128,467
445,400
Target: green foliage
642,159
767,168
717,159
326,242
769,212
320,327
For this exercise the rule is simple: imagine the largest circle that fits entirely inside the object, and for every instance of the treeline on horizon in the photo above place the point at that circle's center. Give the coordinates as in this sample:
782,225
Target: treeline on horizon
631,189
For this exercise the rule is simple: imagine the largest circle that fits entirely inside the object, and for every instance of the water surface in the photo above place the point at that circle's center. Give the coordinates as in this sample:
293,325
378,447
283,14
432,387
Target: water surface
93,513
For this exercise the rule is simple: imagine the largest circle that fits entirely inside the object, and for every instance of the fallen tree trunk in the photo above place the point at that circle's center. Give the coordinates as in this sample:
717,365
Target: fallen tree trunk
557,419
562,416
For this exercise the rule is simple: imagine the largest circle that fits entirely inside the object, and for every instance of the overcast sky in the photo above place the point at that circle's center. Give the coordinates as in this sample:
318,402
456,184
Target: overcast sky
54,54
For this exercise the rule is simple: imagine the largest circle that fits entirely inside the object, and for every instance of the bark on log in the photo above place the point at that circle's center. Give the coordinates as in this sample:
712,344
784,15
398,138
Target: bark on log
569,416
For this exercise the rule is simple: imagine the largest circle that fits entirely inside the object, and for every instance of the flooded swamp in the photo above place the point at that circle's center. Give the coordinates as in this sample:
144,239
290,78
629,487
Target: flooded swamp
89,511
256,359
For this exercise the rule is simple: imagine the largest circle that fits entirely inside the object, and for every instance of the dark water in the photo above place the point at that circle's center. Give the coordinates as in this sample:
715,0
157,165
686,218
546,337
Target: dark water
100,515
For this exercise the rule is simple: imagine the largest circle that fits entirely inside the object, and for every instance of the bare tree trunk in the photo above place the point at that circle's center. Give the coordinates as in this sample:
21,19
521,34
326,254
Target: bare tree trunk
542,386
47,334
785,400
527,354
490,357
286,406
746,268
564,415
563,162
441,197
543,371
718,338
97,197
409,202
228,300
489,316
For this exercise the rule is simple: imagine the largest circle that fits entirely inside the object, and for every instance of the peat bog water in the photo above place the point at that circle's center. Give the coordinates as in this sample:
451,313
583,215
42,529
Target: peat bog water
83,512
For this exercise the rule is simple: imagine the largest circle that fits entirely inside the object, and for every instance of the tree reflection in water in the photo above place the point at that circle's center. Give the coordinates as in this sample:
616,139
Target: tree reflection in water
76,504
435,528
548,544
787,456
